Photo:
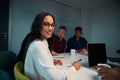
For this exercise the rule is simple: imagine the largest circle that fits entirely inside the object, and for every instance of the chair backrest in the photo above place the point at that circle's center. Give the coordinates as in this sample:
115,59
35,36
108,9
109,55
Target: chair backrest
19,71
7,60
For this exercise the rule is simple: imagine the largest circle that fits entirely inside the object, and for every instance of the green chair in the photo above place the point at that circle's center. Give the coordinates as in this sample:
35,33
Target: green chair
19,71
7,62
4,75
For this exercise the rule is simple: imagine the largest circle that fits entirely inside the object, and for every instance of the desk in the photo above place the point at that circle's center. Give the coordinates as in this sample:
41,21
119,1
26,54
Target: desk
84,73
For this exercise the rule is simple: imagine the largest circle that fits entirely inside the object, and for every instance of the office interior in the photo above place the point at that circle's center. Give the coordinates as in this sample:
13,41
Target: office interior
100,20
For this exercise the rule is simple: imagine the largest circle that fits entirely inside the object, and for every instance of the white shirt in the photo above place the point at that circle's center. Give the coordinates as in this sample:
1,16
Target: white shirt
39,64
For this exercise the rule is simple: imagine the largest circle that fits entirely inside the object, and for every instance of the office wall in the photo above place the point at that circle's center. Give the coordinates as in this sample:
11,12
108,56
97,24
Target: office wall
101,25
24,11
86,23
106,28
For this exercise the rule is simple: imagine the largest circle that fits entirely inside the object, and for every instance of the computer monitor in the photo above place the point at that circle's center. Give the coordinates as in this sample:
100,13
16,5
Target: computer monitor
96,54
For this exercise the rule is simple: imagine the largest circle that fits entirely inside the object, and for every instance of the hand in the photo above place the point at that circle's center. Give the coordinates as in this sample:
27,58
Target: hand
108,73
54,53
57,62
76,65
83,51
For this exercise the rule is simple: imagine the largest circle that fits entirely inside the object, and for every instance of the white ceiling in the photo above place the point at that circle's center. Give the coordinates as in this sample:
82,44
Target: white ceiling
88,4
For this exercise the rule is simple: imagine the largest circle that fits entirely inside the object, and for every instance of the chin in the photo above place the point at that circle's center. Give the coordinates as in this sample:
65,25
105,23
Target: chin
48,36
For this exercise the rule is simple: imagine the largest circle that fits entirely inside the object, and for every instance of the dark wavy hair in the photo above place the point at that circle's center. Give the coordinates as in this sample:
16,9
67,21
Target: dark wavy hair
33,35
37,24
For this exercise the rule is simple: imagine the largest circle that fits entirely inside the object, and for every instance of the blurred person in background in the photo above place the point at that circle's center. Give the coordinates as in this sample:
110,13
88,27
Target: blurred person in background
77,42
57,43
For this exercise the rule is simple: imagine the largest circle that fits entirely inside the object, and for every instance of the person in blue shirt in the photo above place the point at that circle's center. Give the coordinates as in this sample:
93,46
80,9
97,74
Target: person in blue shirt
77,42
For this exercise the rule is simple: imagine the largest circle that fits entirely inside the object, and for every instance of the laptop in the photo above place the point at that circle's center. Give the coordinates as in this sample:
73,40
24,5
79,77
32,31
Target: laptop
96,54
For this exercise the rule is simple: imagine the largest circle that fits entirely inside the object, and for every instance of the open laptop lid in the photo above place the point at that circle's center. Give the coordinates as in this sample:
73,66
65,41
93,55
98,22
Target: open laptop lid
96,54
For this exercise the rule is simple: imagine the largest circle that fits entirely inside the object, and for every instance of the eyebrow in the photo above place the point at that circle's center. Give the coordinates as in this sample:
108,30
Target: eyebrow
48,22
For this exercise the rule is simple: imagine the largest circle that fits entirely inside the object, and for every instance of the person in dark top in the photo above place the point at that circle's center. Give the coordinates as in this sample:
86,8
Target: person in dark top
24,48
57,43
77,42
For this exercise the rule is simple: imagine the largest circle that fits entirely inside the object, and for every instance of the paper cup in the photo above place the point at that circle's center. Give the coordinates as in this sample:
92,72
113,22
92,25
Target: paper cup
72,51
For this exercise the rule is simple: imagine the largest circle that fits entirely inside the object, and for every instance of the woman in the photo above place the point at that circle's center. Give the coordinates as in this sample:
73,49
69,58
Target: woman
39,64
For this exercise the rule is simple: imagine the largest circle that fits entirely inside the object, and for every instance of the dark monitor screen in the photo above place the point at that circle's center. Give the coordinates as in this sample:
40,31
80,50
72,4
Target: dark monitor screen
96,54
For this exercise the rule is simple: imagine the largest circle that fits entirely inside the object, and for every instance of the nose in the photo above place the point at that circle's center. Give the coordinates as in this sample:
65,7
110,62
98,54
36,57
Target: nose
51,27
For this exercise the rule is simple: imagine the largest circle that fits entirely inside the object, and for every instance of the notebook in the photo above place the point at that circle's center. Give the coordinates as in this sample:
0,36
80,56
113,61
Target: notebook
96,54
59,56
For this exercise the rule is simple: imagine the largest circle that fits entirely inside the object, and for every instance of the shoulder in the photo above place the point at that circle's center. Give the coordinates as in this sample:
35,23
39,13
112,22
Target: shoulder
82,38
37,43
72,38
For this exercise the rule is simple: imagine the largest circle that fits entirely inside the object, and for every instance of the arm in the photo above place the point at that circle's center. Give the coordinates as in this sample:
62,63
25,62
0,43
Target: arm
83,51
83,48
54,53
45,66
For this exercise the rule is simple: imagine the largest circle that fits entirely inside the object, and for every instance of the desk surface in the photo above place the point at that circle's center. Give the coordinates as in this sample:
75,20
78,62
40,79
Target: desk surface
84,73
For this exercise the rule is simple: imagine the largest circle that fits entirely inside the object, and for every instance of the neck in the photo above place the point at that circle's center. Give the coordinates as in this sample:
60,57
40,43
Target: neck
77,39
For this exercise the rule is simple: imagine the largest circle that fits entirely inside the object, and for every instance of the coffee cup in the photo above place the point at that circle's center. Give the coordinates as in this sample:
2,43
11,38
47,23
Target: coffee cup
72,51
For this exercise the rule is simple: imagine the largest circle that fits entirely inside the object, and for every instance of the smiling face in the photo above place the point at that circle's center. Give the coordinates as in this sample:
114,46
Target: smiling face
47,27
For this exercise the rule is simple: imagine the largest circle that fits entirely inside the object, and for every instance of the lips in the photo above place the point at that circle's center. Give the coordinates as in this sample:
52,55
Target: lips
49,32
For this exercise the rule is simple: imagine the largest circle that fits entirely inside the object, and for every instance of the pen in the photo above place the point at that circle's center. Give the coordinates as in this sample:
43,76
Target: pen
79,60
75,61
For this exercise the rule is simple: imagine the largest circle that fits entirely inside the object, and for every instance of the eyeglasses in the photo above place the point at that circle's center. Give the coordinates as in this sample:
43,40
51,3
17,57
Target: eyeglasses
48,24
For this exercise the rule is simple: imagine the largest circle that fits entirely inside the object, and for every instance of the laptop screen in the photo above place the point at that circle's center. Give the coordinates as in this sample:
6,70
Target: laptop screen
96,54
